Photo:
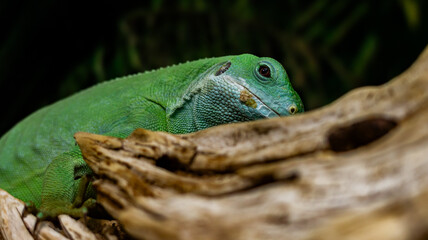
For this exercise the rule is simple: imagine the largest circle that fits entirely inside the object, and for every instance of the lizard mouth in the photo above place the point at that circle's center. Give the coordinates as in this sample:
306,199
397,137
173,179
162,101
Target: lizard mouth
252,100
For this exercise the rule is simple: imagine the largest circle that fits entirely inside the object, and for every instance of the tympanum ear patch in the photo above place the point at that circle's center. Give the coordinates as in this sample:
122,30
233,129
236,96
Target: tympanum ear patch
223,68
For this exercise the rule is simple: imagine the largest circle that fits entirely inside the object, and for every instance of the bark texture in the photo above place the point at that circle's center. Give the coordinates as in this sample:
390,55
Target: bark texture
355,169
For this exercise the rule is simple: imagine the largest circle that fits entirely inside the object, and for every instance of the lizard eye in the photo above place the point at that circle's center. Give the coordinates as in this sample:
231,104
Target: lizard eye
264,70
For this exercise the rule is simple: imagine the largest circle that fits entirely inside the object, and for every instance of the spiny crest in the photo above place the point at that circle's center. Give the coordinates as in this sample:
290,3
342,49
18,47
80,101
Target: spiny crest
176,64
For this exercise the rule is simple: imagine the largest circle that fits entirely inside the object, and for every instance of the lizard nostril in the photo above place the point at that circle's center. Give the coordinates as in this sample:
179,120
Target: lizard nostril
292,109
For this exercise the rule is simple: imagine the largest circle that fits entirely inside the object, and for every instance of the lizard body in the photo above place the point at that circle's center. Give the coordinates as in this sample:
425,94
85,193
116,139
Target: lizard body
40,162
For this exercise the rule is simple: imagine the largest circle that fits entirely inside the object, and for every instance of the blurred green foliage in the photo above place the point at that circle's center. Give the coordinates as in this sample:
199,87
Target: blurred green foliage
328,47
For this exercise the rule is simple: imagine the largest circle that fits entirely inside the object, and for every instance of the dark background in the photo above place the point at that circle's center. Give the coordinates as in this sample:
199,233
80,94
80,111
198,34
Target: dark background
50,49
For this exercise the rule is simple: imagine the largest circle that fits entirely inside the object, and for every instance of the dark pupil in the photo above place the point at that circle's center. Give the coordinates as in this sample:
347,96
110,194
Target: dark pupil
264,71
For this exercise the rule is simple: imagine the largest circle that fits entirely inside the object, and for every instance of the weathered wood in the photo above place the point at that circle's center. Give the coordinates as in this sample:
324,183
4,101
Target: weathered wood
74,229
12,225
355,169
15,223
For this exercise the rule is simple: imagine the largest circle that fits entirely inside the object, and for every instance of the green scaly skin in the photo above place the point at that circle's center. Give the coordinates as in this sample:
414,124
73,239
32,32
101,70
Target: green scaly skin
40,162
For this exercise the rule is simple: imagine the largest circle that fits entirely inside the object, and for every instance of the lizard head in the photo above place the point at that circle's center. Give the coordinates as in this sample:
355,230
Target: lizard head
246,88
263,85
241,88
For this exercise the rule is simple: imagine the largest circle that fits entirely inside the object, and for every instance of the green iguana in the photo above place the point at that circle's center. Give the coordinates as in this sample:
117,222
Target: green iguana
40,162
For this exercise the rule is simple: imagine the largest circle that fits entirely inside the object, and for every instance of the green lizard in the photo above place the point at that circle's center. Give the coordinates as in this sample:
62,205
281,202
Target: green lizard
40,162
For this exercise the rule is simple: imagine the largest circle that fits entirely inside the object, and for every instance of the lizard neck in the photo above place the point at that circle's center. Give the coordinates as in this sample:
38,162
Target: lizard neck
183,119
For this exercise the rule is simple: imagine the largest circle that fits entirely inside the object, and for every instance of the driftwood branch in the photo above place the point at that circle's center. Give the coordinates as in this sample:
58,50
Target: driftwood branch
15,223
355,169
